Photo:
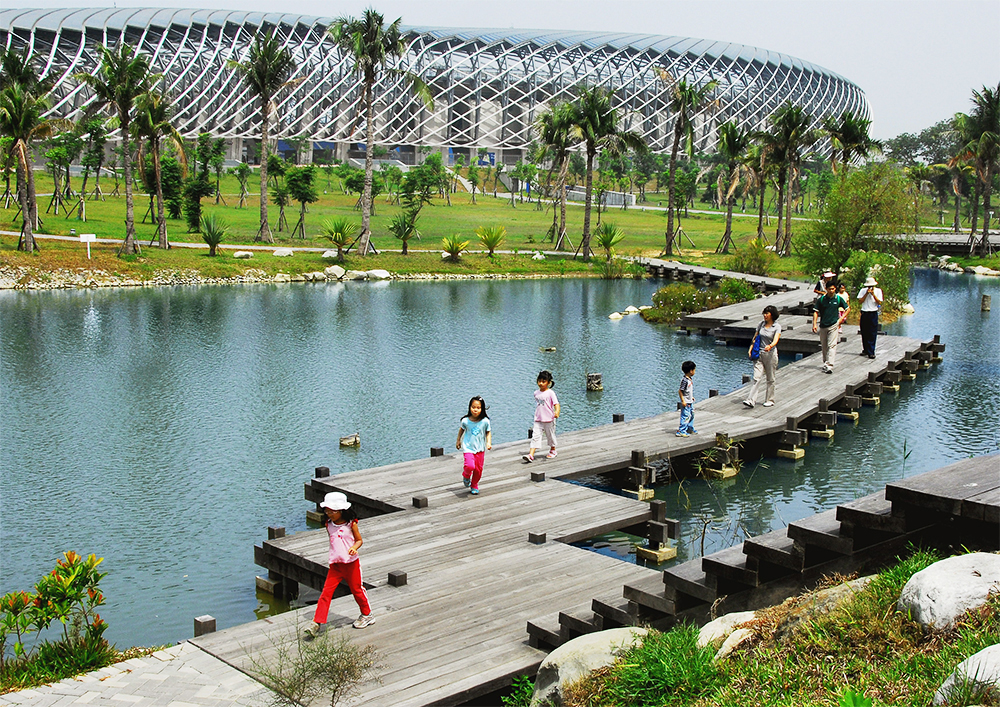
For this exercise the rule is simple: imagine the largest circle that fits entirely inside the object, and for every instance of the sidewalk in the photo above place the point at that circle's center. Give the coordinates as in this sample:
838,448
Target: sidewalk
179,676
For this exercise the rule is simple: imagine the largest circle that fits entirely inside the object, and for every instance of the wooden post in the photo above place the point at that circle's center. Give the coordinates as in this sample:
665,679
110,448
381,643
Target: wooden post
659,534
617,417
322,472
203,624
420,501
985,306
594,382
397,578
437,451
792,439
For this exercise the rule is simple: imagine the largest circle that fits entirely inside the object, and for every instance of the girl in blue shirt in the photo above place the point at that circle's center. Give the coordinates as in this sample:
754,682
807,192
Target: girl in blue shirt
474,438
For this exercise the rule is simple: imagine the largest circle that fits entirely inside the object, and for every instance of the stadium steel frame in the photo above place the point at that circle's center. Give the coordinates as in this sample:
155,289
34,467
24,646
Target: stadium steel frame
489,85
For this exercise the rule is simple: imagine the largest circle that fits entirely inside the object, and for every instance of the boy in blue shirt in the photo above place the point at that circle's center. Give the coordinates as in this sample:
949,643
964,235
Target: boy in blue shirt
686,393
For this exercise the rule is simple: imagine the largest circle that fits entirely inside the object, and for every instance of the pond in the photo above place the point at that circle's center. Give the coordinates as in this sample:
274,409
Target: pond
165,429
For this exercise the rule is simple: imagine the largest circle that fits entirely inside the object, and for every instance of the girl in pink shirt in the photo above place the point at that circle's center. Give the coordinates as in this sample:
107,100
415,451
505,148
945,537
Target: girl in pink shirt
345,539
546,412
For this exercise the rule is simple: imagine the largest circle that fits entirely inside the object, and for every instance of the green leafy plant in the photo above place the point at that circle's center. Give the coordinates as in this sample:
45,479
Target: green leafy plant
492,237
454,246
613,268
213,232
735,290
607,236
404,227
339,232
754,258
521,691
852,699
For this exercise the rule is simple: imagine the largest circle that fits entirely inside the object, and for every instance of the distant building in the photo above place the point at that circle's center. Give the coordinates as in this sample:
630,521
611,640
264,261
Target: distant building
489,85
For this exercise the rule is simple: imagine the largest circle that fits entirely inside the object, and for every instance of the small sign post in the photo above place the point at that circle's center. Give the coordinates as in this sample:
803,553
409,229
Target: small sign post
88,238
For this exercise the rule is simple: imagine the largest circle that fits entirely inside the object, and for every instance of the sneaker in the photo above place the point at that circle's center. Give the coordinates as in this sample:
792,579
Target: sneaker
466,482
528,458
364,620
551,455
748,403
694,432
312,630
474,492
827,370
871,355
769,404
681,434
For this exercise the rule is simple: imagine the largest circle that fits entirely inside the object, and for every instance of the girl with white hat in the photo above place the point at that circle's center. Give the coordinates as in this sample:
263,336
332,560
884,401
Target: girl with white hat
345,540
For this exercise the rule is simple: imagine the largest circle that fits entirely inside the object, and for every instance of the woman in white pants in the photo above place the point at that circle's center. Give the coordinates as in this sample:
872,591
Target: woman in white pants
769,333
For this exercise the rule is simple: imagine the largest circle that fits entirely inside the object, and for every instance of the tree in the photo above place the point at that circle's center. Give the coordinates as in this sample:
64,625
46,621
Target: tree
595,124
198,185
555,129
863,207
339,231
919,175
21,120
122,77
849,138
153,124
301,183
686,100
980,131
95,134
265,73
733,144
371,45
474,179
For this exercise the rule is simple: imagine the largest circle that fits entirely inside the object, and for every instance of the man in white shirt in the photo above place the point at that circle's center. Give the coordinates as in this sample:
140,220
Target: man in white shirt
870,298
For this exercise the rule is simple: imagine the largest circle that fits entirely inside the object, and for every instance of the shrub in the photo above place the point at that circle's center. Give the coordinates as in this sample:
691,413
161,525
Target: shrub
677,297
607,236
339,232
213,232
735,290
454,246
492,237
753,258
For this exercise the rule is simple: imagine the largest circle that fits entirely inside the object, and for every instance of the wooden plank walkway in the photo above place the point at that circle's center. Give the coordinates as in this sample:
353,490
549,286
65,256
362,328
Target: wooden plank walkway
456,629
694,273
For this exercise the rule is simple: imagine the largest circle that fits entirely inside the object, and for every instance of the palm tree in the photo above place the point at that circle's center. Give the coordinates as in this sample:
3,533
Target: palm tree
686,100
733,143
265,72
790,133
919,176
122,77
849,137
372,45
596,125
981,135
555,131
153,123
21,120
340,232
759,170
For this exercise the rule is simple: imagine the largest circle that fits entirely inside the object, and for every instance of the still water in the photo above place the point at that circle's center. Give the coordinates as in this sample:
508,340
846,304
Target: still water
165,429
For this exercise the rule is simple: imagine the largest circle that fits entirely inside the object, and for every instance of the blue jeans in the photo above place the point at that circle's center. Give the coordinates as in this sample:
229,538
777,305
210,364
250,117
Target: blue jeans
687,420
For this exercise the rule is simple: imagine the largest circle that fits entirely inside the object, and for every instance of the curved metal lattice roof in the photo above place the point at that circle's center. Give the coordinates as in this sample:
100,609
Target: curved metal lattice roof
489,84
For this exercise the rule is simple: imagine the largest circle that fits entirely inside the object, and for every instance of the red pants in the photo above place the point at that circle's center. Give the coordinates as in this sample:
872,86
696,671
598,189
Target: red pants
473,467
349,572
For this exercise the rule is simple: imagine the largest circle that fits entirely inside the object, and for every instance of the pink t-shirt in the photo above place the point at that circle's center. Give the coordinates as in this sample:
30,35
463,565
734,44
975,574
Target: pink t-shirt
341,539
545,411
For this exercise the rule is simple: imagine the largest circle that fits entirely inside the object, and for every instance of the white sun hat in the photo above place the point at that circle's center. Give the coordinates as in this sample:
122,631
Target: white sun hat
335,501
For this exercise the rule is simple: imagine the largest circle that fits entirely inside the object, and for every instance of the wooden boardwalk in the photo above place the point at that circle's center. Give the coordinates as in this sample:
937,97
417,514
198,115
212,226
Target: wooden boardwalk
476,569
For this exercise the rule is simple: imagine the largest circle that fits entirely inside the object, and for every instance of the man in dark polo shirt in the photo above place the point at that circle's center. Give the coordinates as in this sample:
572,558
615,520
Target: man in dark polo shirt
829,312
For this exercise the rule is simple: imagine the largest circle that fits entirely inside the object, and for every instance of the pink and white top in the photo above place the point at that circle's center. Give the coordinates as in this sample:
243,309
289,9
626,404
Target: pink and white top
545,411
341,539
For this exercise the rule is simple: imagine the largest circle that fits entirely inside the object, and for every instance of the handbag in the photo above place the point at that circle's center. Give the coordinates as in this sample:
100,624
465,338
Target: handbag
755,347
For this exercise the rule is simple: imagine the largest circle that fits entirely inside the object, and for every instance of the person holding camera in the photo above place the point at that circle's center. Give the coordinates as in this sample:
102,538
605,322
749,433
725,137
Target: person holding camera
870,298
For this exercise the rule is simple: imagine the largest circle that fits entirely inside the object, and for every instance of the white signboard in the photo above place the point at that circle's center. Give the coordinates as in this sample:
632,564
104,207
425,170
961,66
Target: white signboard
88,238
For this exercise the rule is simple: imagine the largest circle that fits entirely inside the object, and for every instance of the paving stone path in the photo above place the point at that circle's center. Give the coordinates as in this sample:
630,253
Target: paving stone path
180,676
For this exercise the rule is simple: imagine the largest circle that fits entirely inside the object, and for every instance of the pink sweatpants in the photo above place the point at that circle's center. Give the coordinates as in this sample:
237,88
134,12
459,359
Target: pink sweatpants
473,467
349,572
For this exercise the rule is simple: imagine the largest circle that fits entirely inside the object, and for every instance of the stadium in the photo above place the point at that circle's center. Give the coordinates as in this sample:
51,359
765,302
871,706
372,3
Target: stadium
489,85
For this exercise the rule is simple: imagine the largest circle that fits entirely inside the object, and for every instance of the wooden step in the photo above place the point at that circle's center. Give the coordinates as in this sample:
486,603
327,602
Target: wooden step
732,565
615,612
776,548
648,593
690,579
872,512
545,632
821,530
576,622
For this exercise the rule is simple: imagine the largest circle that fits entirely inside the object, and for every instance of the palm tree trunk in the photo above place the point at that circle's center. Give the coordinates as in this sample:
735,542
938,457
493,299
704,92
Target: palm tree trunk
589,189
668,249
161,220
24,190
560,244
975,209
782,178
131,245
366,197
986,210
786,244
760,207
264,230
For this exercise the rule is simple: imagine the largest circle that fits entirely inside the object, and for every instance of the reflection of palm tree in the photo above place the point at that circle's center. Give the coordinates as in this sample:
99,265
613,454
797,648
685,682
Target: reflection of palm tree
733,143
21,120
371,45
849,137
555,130
152,123
596,125
265,73
122,77
685,101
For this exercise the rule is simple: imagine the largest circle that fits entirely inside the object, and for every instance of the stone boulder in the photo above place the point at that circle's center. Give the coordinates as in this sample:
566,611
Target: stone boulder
318,276
538,256
243,255
715,633
379,275
579,657
299,278
329,254
808,607
335,271
736,639
937,596
282,277
981,671
980,270
355,275
283,253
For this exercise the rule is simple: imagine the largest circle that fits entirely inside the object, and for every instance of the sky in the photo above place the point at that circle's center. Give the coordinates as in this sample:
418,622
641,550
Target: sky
917,61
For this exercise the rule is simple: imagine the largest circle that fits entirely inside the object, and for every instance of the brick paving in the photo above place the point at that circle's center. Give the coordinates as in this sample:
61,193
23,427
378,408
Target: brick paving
180,676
